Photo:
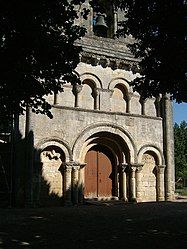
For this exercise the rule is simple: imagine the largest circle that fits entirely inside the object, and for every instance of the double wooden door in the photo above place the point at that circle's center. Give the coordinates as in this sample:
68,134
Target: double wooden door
98,175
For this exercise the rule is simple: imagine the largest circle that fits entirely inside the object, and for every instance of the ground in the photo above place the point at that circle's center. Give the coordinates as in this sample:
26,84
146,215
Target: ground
99,225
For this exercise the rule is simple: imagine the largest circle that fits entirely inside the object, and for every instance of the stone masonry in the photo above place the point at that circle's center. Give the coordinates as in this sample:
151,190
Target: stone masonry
102,115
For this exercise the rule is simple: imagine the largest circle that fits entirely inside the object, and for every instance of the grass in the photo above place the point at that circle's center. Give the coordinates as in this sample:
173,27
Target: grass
182,191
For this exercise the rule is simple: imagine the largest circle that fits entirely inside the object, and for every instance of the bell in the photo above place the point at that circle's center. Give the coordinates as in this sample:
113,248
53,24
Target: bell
101,27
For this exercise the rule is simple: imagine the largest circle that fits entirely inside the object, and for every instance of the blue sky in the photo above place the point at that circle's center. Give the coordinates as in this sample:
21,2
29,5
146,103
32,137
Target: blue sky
179,112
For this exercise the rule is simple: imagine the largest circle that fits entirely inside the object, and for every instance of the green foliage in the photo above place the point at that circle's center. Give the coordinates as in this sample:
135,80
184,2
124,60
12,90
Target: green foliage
160,31
37,52
180,135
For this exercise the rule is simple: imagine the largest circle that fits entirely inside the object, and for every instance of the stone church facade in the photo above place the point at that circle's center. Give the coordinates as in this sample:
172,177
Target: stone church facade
104,141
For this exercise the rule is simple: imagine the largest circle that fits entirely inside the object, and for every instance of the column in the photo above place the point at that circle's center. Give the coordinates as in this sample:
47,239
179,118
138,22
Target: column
67,170
75,181
138,182
160,182
128,102
142,102
124,182
168,140
81,183
56,99
96,94
132,184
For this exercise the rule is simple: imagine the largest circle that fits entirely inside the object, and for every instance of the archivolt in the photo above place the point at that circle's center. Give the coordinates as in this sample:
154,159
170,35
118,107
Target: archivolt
122,81
53,141
155,150
125,136
93,78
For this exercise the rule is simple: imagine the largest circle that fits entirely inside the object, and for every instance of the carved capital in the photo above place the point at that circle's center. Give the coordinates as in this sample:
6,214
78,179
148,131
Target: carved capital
136,167
123,167
76,89
132,169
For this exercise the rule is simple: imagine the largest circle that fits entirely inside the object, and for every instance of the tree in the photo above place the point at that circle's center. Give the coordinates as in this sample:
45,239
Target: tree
159,29
180,135
37,52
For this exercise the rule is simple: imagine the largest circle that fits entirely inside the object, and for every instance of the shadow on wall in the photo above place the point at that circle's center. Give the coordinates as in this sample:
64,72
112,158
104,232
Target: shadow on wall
36,178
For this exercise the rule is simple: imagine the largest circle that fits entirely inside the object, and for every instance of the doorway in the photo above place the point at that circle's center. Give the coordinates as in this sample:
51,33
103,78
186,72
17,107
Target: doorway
99,172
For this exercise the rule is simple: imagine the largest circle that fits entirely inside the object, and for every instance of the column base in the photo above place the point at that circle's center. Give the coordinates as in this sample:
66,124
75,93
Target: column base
133,200
125,199
161,198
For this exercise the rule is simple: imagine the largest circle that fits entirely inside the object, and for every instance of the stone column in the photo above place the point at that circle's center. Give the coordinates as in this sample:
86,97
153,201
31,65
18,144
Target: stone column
81,183
128,103
96,95
142,102
160,182
132,183
124,182
75,181
138,182
67,172
56,99
76,91
168,139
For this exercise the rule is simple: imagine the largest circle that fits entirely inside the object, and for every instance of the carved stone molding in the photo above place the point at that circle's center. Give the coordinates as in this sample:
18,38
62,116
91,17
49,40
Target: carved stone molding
106,61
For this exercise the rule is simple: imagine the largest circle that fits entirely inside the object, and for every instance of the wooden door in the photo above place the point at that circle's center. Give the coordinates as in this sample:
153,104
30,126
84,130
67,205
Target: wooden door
98,175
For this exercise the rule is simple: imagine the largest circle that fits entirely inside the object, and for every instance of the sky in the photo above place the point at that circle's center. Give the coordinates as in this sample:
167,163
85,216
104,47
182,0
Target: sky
179,112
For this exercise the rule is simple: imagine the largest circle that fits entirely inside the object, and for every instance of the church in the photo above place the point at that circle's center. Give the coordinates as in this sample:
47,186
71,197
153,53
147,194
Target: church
104,142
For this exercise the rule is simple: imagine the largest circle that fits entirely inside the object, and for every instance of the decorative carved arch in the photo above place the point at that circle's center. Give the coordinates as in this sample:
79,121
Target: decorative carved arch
114,129
53,141
157,152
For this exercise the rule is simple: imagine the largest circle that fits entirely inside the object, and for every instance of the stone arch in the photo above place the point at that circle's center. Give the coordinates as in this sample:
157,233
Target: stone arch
89,97
44,143
50,154
121,81
154,150
125,137
122,92
151,159
93,78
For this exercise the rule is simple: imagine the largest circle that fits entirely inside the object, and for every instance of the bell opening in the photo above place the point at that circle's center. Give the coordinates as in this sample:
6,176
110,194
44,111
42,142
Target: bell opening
100,27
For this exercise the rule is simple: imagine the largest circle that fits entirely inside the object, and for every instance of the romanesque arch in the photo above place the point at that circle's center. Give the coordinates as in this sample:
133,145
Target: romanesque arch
154,149
53,141
51,154
125,137
104,149
122,81
92,77
151,175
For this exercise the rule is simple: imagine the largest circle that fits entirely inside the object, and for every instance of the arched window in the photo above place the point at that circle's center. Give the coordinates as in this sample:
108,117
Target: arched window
119,100
88,96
